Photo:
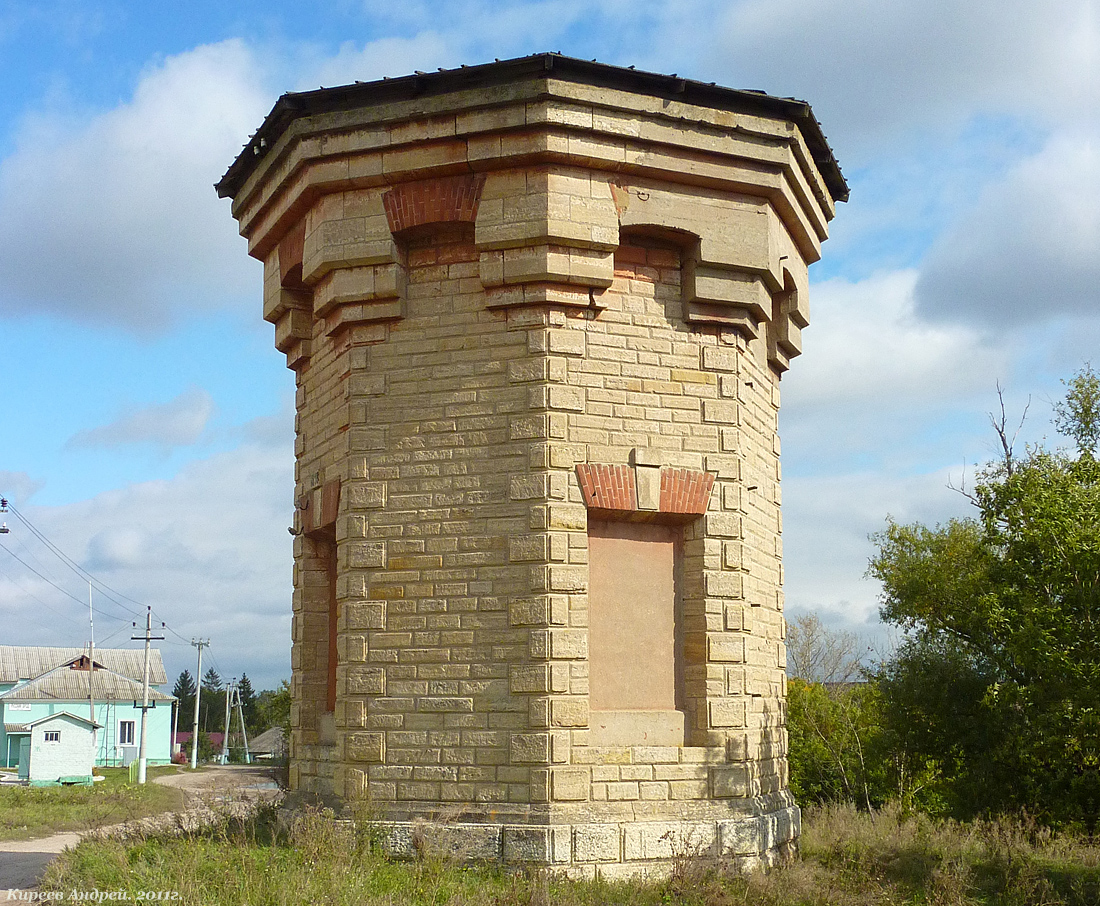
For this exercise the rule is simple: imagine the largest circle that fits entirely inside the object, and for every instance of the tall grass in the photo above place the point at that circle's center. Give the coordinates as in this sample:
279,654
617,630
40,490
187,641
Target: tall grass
27,812
849,859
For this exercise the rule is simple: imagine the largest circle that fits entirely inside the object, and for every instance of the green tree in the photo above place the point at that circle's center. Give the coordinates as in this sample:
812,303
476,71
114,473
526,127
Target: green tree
998,684
213,704
184,691
248,703
273,708
833,735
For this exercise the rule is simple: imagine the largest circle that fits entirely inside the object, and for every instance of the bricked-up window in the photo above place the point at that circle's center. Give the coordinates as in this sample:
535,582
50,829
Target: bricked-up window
636,672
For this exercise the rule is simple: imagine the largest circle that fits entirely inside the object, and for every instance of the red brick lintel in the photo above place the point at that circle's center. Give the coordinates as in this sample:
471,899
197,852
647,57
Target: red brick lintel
612,491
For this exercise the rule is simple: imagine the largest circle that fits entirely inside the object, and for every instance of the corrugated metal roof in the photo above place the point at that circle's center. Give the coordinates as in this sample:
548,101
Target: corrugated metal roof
16,728
273,740
25,662
63,684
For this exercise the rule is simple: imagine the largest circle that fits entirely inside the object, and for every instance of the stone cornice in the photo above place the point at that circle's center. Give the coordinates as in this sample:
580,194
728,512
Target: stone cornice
422,89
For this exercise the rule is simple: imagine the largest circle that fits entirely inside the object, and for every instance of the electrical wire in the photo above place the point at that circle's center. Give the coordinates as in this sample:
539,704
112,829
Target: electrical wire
11,553
104,589
35,597
82,573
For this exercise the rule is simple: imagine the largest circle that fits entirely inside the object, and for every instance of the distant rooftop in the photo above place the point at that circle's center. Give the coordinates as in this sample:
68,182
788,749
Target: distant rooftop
63,684
293,105
26,662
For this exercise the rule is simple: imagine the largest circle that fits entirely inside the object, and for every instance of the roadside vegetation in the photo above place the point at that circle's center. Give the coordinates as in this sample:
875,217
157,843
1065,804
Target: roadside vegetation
991,703
850,858
27,812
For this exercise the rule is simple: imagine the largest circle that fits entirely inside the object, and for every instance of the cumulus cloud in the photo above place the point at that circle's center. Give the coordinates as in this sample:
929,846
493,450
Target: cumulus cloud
209,550
1029,250
866,341
112,219
878,68
385,57
18,487
826,527
179,422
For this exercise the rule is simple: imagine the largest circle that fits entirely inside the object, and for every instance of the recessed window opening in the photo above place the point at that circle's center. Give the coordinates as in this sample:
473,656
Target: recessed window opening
53,735
635,632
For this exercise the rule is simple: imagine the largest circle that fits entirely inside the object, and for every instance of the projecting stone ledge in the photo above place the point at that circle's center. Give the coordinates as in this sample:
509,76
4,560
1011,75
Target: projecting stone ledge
555,161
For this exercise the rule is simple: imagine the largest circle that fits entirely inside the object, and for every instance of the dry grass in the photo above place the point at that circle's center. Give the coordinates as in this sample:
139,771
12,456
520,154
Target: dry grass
848,860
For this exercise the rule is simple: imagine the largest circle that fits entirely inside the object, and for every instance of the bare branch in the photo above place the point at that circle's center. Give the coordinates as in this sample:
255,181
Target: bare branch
1000,426
818,654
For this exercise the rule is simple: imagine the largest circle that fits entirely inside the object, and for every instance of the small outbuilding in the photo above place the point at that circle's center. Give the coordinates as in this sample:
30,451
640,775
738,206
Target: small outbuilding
270,745
58,748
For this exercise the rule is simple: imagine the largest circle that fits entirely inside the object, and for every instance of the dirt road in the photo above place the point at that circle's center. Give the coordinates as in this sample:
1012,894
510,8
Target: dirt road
218,782
23,862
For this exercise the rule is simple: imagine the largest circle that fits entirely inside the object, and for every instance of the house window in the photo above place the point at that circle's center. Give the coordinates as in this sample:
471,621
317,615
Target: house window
636,671
53,736
125,732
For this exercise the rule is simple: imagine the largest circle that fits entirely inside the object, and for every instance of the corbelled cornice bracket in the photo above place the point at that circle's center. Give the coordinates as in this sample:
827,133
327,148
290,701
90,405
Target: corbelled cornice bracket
547,237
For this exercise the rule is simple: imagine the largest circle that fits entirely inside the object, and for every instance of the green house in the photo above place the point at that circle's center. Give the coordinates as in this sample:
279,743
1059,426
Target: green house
36,683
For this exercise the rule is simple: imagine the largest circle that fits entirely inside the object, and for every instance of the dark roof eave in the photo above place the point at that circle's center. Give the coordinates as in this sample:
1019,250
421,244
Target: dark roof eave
325,100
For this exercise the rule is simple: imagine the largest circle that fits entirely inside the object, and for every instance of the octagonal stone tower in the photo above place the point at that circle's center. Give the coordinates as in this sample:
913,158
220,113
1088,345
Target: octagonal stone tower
538,311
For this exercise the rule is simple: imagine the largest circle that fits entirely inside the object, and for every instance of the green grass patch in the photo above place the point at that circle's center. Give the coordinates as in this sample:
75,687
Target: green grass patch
28,812
848,859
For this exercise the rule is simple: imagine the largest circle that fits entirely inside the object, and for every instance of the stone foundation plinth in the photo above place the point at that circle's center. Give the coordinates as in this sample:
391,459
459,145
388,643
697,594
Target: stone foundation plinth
600,849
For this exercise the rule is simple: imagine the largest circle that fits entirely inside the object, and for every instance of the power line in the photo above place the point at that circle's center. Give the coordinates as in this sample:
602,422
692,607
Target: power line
49,581
104,589
35,597
82,573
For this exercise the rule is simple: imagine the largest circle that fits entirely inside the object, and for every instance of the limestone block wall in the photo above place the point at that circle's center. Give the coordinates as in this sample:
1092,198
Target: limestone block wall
525,315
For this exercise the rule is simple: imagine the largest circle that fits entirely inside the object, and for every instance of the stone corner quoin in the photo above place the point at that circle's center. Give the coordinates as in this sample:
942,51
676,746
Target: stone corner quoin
538,312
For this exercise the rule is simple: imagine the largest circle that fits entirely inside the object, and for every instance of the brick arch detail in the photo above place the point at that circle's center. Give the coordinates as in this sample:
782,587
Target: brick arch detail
445,199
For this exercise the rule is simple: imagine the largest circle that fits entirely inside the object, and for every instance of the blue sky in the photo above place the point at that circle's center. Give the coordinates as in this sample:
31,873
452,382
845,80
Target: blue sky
147,424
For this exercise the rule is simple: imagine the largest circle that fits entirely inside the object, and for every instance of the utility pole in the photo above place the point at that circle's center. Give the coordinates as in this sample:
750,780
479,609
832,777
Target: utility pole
91,655
145,690
240,715
200,644
228,713
91,670
233,703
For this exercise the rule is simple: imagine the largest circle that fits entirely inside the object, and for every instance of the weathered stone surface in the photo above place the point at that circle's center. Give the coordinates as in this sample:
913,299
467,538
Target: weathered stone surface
519,307
597,843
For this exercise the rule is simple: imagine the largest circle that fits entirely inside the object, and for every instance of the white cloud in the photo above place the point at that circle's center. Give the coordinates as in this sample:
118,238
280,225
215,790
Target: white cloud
385,57
209,550
866,342
179,422
18,487
1030,249
113,219
826,527
875,68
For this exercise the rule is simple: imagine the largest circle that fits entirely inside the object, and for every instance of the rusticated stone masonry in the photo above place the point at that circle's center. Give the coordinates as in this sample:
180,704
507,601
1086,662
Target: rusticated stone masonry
538,312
